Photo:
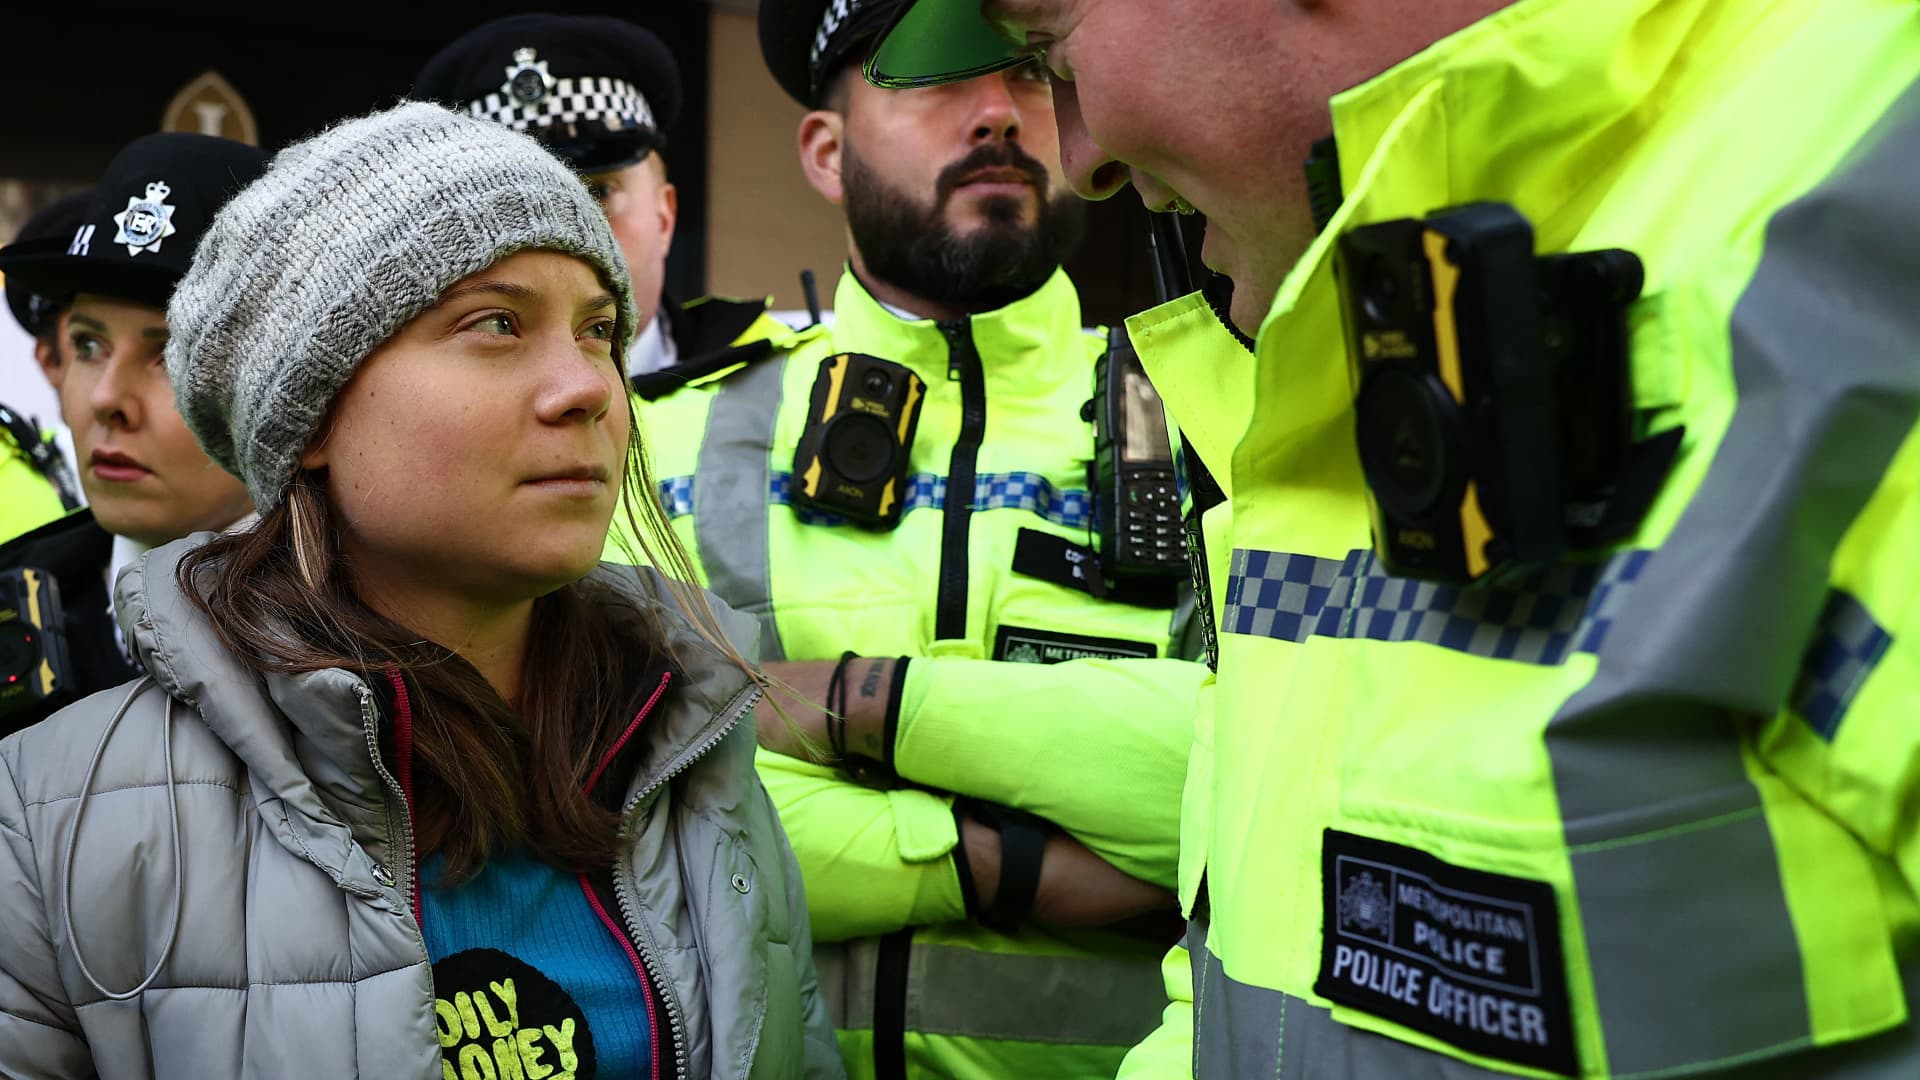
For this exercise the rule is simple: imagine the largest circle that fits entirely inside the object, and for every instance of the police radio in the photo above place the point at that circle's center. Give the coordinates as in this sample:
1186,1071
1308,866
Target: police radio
1492,393
34,665
1136,504
853,456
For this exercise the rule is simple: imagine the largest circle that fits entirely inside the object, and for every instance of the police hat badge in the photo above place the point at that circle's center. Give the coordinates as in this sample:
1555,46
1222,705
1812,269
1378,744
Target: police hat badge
147,220
528,81
137,233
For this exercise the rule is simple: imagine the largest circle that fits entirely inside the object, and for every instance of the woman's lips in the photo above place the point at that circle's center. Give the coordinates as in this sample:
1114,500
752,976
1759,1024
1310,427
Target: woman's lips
116,468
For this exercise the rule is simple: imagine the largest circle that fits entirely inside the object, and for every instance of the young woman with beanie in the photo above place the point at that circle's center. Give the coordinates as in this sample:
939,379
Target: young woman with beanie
412,788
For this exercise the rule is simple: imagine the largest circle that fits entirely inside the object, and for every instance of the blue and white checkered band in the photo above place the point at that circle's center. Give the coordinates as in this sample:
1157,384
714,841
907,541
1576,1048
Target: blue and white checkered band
616,103
837,13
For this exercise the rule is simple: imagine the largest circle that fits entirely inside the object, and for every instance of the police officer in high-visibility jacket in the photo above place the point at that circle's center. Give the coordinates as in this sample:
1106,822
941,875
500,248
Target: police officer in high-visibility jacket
989,837
603,94
1643,808
37,481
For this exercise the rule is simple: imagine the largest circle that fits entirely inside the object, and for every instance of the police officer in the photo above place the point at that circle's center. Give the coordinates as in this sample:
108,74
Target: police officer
146,480
998,801
603,93
1646,809
37,483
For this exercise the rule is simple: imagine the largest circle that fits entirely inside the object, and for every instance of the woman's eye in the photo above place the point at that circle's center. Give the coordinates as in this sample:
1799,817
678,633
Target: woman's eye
599,331
498,323
88,347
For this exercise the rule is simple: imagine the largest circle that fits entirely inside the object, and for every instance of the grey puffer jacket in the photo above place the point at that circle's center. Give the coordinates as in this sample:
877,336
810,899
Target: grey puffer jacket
297,953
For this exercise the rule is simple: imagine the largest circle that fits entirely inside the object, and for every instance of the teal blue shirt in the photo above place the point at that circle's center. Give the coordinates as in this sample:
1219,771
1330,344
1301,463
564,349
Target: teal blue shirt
527,978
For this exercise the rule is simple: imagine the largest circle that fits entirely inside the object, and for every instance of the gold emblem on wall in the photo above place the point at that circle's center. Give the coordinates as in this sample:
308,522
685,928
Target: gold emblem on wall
209,105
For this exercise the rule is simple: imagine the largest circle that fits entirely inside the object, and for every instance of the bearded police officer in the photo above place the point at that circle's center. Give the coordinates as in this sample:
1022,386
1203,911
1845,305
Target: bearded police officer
1642,803
983,821
602,94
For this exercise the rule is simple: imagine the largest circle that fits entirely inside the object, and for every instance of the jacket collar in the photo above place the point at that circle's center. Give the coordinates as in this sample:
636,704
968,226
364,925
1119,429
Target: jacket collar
304,739
1544,105
1019,344
1536,104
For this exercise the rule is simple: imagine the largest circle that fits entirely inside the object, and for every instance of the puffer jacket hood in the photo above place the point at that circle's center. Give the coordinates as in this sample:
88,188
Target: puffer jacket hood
275,969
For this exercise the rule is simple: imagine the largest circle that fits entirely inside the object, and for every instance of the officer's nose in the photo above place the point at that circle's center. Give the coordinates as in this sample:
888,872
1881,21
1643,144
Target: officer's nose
1093,172
992,112
115,398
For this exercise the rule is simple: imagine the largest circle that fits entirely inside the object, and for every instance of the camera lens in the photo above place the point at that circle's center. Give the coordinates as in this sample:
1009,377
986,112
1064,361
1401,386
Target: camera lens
859,446
1380,291
1412,446
18,654
875,383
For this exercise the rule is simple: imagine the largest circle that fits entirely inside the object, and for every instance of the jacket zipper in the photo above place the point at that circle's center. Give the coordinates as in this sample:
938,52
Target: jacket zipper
403,875
600,909
963,364
623,891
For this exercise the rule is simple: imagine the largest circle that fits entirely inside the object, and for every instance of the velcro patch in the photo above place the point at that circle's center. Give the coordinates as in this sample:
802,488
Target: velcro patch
1469,957
1022,645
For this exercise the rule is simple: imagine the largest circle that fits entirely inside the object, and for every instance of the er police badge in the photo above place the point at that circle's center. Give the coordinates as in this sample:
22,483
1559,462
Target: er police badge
147,220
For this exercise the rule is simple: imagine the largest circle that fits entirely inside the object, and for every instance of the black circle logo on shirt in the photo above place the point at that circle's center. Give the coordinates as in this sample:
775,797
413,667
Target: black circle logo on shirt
500,1018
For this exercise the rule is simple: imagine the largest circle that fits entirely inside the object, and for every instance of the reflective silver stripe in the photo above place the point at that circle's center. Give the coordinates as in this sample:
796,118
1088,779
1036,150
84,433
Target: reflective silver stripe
1251,1031
735,465
1079,1000
1693,953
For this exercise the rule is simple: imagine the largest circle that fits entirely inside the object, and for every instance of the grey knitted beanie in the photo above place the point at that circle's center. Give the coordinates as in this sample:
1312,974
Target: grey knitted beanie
347,237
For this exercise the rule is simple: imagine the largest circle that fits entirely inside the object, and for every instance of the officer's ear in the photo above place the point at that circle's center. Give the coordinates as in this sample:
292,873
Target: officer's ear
822,135
46,353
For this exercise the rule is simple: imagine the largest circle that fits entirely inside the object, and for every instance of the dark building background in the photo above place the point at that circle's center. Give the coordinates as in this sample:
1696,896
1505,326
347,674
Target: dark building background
87,77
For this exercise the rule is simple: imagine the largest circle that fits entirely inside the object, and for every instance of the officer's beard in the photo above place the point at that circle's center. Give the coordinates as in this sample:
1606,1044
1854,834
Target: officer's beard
912,246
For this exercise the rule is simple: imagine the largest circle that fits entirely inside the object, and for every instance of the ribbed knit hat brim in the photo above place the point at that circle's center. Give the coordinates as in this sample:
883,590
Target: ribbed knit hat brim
346,238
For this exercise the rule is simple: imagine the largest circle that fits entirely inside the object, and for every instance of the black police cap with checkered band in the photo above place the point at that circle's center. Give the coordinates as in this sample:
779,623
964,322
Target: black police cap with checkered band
599,91
142,221
806,42
36,312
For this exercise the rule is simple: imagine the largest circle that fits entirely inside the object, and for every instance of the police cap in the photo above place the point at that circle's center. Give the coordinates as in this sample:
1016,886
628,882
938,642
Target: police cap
141,222
37,312
806,42
599,91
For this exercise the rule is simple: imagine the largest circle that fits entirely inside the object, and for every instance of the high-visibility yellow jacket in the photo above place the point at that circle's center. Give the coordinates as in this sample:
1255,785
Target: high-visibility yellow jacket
1095,742
28,499
1652,811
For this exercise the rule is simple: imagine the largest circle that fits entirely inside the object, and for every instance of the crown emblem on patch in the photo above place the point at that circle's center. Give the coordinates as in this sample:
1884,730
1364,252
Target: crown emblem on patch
528,81
147,220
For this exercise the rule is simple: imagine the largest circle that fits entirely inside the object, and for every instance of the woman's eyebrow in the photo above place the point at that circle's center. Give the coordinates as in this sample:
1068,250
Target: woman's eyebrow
511,290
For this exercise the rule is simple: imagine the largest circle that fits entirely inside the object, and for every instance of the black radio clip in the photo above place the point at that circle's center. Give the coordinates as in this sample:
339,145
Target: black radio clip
853,457
1492,393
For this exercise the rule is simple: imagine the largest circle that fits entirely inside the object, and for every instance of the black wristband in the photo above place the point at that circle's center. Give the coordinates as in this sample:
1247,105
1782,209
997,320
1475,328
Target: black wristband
1023,842
836,710
962,865
890,733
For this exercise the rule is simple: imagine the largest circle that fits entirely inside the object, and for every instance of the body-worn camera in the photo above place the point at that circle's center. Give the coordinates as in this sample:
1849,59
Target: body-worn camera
853,456
33,642
1136,505
1493,393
